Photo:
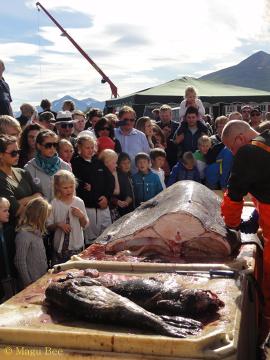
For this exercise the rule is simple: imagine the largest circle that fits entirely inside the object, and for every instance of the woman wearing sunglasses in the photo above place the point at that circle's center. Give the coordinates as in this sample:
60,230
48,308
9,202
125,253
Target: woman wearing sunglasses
46,162
104,131
17,186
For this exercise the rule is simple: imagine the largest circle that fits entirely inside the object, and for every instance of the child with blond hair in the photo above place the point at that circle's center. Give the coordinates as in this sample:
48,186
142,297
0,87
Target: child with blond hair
7,283
4,210
204,144
94,186
68,218
30,258
65,151
191,100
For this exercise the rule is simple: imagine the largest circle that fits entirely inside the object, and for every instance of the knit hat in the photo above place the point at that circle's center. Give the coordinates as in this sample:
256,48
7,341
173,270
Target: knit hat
105,142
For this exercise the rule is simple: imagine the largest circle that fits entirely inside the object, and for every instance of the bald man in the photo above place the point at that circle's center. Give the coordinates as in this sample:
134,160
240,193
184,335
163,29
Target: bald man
250,174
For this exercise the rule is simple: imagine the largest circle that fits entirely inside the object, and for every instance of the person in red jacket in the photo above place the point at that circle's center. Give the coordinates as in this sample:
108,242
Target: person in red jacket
250,174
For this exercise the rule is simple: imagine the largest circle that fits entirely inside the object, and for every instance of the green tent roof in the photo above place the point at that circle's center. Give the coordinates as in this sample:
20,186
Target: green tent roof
209,91
205,88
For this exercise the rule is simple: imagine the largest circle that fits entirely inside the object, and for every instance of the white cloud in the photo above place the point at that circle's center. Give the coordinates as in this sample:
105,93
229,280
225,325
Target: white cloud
9,50
168,35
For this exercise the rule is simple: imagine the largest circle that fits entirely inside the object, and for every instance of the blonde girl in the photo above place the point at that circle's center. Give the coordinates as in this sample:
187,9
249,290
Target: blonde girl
67,219
109,159
191,100
30,258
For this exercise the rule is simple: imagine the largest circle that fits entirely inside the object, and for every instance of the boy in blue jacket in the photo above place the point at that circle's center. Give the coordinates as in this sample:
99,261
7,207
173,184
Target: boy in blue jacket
146,184
185,169
217,171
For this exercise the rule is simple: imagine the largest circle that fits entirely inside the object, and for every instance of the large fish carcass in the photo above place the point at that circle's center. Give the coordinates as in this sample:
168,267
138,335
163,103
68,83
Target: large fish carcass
183,221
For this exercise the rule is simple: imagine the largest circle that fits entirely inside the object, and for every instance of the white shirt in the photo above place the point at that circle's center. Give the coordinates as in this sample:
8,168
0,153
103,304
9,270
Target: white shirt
183,109
59,214
161,176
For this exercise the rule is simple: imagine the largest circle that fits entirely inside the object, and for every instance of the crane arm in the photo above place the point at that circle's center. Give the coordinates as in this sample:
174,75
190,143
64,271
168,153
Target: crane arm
105,78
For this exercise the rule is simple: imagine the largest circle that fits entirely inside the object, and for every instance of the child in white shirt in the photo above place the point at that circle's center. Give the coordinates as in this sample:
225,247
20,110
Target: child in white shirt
158,157
191,100
68,218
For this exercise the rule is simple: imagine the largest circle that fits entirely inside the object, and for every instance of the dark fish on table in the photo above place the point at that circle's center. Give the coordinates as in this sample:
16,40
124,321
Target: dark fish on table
165,297
183,221
87,299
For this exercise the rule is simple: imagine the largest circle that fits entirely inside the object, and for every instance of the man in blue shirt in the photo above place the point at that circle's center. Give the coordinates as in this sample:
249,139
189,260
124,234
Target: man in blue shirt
132,140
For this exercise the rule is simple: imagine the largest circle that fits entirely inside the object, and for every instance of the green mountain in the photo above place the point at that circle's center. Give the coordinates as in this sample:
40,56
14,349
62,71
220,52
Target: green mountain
253,72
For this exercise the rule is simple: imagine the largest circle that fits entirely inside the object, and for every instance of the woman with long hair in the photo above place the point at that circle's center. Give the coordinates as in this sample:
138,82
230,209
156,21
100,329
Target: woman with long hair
28,143
17,186
159,139
145,125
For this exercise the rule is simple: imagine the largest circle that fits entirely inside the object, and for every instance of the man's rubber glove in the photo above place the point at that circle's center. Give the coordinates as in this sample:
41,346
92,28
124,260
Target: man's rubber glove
251,225
233,237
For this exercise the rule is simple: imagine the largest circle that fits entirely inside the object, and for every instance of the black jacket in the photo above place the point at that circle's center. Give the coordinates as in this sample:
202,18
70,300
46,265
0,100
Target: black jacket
5,99
97,175
23,120
251,170
190,142
126,190
173,125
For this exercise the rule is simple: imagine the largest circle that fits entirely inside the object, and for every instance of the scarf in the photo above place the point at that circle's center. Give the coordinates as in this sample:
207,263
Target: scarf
49,165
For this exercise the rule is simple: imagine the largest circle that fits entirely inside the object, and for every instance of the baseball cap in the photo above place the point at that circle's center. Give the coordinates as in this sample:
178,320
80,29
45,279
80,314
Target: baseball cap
47,116
255,110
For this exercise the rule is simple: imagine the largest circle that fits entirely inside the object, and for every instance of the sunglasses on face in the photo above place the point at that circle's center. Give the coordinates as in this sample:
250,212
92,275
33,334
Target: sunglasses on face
255,114
49,145
13,153
65,126
128,120
105,128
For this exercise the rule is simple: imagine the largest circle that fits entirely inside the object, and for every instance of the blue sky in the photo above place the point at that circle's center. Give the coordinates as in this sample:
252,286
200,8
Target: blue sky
137,44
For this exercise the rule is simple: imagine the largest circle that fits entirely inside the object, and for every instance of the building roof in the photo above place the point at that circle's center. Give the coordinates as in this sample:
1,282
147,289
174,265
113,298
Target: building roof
208,91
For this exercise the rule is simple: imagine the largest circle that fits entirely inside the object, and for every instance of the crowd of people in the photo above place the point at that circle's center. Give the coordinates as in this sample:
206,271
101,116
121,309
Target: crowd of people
66,176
